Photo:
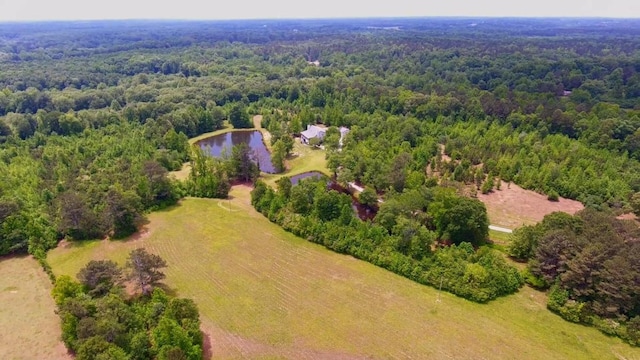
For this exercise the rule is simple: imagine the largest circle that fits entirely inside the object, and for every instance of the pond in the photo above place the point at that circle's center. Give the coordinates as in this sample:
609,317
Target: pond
311,174
365,213
221,144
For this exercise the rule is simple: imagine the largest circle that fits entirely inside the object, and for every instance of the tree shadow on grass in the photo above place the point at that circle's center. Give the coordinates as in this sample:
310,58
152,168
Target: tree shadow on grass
168,208
167,289
207,349
9,257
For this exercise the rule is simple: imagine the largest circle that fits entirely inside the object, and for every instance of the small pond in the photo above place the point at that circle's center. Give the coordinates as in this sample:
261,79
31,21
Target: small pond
295,179
221,144
364,212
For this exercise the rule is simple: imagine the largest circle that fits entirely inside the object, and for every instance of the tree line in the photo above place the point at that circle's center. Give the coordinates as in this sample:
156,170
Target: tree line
589,263
405,237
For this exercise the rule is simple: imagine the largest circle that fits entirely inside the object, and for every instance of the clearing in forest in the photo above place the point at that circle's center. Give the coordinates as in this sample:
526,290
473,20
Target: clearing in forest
303,158
29,326
264,293
513,206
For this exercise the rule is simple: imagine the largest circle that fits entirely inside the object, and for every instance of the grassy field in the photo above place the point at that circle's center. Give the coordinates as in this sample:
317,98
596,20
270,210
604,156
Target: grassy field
265,294
29,327
500,237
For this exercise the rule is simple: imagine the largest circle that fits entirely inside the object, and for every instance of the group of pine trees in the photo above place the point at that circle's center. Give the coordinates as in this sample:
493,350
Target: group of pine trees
589,263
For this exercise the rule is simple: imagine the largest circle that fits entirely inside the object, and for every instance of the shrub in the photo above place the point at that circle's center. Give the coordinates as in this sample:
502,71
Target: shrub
633,331
534,281
557,298
607,326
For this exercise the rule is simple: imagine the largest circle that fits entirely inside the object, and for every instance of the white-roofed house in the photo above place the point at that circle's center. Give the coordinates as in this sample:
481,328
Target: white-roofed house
312,132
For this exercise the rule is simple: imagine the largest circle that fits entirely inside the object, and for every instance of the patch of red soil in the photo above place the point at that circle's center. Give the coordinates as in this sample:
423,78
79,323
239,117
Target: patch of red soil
141,234
627,216
514,206
65,244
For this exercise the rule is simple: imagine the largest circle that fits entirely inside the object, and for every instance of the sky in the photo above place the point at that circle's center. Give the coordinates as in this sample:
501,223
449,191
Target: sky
29,10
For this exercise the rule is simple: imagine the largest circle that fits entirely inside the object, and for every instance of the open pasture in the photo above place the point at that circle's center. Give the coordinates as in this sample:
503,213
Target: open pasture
29,326
264,293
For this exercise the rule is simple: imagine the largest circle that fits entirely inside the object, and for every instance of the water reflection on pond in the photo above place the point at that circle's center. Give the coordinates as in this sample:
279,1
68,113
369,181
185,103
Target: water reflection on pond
220,144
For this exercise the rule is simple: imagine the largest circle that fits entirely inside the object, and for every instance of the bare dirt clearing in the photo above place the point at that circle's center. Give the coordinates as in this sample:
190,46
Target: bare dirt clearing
514,206
29,326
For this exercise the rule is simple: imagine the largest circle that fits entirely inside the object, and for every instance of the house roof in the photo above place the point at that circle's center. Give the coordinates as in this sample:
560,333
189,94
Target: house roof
312,131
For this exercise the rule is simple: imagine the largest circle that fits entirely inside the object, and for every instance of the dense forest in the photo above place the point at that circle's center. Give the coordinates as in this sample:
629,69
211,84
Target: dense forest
93,116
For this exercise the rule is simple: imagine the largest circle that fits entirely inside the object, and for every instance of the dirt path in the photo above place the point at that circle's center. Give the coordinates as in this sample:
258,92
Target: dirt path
257,121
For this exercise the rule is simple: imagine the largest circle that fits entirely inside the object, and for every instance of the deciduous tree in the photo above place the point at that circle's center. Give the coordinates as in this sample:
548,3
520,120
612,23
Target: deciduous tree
238,117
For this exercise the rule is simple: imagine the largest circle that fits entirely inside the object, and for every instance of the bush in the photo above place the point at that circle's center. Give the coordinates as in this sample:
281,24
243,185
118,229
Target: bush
534,281
573,311
607,326
570,310
633,331
557,298
553,195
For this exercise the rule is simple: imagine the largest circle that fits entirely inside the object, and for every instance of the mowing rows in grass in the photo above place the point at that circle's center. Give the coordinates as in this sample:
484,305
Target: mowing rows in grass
265,293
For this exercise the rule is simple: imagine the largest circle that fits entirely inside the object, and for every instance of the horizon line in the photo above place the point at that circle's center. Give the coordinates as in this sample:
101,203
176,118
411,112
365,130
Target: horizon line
407,17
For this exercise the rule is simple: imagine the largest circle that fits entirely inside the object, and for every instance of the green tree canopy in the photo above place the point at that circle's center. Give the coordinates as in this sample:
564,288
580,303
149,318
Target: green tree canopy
144,269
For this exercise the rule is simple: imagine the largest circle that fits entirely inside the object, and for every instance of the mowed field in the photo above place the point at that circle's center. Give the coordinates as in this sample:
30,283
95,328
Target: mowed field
266,294
29,327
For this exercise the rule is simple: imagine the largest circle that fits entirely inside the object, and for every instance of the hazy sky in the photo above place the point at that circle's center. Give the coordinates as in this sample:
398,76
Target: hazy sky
251,9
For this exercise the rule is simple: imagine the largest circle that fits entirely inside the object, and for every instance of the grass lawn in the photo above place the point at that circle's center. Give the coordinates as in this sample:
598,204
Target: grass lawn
264,293
303,159
500,238
29,327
